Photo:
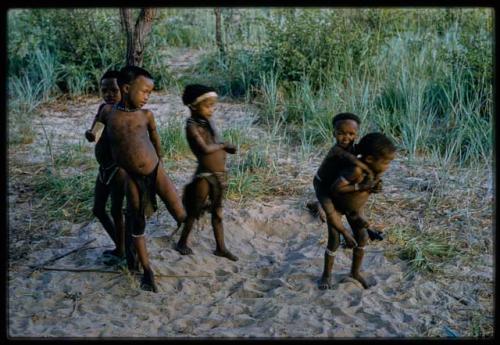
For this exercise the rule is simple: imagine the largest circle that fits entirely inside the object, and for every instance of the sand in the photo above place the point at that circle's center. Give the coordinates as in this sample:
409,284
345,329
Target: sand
270,292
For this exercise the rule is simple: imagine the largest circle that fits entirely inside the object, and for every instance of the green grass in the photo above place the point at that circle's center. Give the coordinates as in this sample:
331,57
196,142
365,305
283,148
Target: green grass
173,140
424,251
75,155
249,175
65,197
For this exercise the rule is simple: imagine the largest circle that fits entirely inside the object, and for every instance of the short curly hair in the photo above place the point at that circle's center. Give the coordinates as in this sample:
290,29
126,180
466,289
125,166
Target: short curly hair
110,74
375,144
345,116
130,73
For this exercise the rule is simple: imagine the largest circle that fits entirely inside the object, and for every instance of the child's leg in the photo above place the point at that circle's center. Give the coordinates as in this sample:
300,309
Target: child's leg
194,200
335,219
117,195
332,216
331,248
168,194
221,249
360,222
101,194
138,226
361,236
218,187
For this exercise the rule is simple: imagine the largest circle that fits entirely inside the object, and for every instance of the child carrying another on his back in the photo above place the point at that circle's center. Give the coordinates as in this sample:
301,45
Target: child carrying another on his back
210,179
343,153
349,193
135,145
110,179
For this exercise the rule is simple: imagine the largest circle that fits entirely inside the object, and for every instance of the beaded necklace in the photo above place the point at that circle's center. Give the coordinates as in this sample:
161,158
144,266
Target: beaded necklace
121,106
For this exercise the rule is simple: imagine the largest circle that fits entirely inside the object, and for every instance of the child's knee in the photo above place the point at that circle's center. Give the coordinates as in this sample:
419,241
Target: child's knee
333,242
218,213
362,237
135,222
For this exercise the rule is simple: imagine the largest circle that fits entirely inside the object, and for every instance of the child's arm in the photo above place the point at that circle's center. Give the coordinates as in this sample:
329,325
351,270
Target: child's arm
153,134
351,181
377,187
205,148
229,148
91,134
352,159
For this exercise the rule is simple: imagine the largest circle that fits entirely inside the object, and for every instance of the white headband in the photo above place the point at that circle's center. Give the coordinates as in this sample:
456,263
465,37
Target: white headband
203,97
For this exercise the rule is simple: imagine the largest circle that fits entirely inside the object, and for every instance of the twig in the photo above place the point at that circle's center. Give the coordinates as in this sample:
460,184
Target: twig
49,146
74,269
97,270
36,267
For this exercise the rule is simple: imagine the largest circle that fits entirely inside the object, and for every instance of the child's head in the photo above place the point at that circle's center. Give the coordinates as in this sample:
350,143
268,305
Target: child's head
345,128
109,87
136,85
377,151
200,99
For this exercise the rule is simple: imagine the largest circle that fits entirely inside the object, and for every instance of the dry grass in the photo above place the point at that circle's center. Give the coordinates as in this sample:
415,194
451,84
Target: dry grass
437,218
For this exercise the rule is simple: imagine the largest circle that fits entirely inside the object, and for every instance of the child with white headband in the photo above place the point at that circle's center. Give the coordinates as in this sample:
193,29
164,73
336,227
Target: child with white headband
210,178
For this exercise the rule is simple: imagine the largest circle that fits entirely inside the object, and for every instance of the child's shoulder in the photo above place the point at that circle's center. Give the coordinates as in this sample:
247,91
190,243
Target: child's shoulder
101,107
146,113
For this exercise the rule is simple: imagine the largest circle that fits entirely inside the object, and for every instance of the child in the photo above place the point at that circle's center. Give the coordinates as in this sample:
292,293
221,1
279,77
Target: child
135,146
210,176
349,192
345,131
110,178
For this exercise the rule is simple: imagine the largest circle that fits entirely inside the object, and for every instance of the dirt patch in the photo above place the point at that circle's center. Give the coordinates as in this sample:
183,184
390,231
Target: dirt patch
272,290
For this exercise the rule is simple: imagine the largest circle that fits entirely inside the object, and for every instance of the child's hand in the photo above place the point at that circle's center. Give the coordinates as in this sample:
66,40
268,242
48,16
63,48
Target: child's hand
366,185
377,188
89,135
229,148
369,174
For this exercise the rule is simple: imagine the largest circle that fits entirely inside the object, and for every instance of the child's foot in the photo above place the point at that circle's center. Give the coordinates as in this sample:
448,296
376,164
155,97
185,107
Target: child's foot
325,283
183,249
375,235
226,254
366,282
112,260
111,252
148,281
112,257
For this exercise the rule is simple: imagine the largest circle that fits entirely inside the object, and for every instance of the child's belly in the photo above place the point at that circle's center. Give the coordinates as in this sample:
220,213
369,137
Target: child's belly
215,161
137,156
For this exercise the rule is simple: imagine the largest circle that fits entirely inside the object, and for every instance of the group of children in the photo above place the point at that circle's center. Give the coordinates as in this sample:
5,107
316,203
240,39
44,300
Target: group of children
129,154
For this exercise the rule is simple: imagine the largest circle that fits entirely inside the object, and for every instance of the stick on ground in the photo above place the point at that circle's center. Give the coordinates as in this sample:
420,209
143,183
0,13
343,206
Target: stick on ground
37,267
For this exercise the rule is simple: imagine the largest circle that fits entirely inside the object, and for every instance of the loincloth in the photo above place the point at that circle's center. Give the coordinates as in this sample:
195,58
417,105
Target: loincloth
107,173
218,186
147,192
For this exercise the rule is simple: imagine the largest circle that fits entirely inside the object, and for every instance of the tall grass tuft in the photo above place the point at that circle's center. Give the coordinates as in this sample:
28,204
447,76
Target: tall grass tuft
66,197
173,139
424,251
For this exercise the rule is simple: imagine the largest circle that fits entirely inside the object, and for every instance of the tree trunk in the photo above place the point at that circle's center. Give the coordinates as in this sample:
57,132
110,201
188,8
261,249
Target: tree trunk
218,31
136,35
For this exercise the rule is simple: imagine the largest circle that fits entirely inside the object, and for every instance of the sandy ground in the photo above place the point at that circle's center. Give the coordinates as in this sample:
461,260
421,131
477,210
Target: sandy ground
270,292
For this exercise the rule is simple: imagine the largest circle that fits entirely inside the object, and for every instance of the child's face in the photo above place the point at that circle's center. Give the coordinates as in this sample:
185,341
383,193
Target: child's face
139,91
206,107
380,164
110,91
345,132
